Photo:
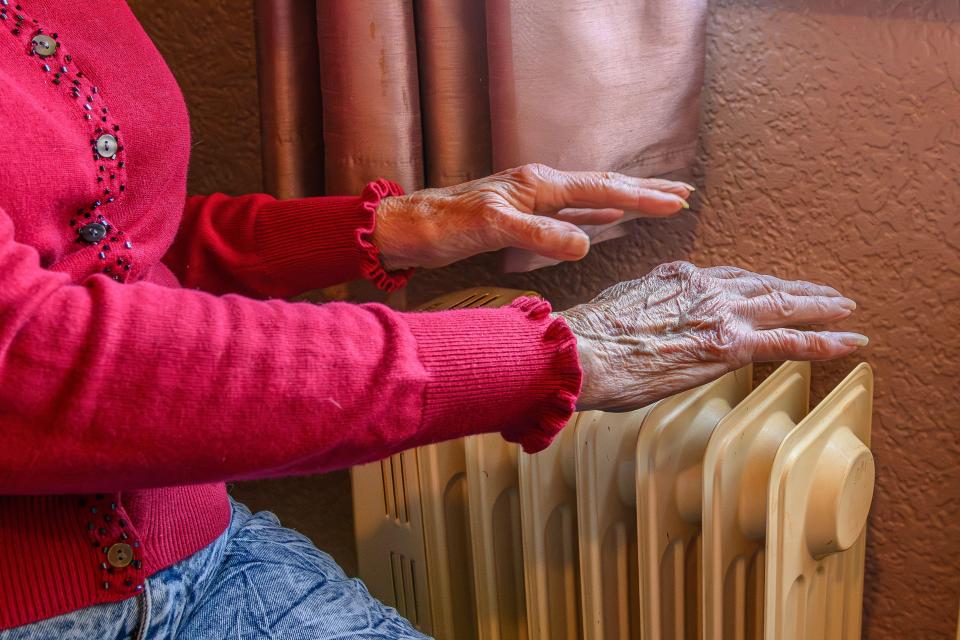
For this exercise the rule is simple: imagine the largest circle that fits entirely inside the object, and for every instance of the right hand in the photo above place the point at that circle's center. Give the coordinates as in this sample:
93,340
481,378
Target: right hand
681,326
533,207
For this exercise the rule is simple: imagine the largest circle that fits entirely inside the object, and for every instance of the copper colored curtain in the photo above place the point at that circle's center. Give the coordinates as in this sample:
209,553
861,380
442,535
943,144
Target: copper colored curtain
434,92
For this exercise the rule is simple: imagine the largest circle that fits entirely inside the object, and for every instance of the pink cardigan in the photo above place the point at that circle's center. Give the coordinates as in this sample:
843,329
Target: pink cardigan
126,401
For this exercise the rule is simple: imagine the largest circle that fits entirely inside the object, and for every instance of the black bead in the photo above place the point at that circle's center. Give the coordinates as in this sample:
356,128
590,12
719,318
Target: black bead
122,522
107,517
93,509
106,586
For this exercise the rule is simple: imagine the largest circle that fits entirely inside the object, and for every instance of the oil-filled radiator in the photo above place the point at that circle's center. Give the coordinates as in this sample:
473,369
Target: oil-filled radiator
722,513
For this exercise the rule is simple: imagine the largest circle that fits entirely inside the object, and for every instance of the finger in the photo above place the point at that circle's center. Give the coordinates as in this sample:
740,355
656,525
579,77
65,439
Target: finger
681,189
601,190
548,237
791,344
589,216
751,284
780,309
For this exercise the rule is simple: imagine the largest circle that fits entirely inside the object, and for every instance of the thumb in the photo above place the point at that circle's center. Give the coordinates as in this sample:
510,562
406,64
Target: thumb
546,236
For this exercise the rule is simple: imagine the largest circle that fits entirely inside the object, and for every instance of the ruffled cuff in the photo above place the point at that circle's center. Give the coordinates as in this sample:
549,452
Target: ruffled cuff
306,243
514,370
555,409
372,266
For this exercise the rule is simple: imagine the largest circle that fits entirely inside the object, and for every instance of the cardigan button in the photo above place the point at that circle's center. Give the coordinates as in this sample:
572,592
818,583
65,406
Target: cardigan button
93,232
107,146
44,46
120,555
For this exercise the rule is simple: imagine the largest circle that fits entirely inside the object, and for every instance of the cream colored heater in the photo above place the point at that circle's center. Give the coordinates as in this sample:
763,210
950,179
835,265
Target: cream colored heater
719,513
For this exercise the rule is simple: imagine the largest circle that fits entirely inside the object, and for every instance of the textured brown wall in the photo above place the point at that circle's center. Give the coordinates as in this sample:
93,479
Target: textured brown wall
831,151
210,47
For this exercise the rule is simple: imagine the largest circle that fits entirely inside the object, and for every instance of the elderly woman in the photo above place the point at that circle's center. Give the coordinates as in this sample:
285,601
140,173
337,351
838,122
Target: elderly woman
142,363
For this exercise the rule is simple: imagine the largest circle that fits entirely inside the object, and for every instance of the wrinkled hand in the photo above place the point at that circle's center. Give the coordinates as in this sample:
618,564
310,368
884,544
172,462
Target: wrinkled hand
531,207
681,326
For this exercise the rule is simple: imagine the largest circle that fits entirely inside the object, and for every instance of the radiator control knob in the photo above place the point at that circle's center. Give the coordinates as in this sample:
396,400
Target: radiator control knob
840,494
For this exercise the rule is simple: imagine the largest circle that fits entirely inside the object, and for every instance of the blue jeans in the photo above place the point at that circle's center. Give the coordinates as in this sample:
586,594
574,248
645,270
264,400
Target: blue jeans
257,580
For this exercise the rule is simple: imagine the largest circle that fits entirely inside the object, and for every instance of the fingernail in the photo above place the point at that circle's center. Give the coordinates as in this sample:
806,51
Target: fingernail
847,304
689,186
684,203
854,339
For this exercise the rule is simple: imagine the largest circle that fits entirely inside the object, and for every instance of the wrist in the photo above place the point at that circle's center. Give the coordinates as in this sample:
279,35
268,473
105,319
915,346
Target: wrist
386,236
588,364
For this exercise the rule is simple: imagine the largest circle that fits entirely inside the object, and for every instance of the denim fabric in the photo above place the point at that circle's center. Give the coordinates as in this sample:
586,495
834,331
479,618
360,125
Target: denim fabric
257,580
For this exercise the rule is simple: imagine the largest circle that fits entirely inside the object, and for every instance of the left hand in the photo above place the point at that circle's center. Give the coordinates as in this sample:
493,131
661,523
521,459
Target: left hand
532,207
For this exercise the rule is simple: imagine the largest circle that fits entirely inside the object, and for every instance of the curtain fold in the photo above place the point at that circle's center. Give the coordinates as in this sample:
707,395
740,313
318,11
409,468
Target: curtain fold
371,94
287,72
609,84
451,43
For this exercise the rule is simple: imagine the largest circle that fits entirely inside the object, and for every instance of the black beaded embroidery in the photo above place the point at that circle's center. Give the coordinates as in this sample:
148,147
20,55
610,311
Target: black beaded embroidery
106,529
89,224
90,227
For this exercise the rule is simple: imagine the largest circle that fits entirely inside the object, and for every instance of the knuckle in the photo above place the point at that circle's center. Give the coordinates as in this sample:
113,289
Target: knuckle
783,303
725,342
534,170
537,232
675,268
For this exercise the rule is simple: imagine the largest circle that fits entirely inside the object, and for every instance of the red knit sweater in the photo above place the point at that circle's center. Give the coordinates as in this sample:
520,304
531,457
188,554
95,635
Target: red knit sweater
126,401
